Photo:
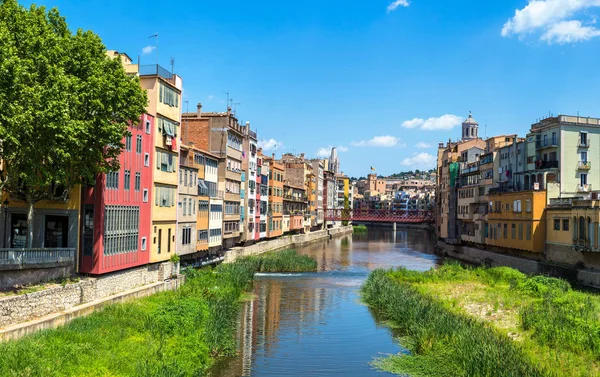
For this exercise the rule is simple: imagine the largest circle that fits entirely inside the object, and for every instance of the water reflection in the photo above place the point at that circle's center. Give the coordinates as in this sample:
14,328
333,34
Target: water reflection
314,324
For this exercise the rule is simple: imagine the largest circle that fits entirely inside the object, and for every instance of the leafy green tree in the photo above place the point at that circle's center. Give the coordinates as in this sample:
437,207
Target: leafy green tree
64,106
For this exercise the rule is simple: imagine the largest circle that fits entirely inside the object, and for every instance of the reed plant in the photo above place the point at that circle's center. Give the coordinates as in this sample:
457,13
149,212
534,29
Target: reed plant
360,229
556,331
170,334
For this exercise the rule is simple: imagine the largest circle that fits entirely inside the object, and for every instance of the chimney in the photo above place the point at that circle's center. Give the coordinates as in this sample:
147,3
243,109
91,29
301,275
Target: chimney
302,156
228,110
199,106
273,156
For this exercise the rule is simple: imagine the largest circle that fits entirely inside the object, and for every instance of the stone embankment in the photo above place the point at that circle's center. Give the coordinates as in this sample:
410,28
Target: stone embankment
25,314
473,255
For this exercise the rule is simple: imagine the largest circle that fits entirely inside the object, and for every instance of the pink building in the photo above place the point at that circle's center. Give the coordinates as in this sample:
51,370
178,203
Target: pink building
116,212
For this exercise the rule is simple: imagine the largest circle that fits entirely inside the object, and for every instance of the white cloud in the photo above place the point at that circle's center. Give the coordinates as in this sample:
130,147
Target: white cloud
445,122
569,32
270,145
378,141
396,4
550,17
423,145
420,161
326,152
148,50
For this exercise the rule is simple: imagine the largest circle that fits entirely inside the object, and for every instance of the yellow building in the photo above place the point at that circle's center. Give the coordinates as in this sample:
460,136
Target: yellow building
164,103
573,231
517,220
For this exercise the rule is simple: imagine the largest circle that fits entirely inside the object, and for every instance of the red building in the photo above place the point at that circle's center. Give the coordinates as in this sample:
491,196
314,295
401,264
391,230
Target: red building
116,212
257,204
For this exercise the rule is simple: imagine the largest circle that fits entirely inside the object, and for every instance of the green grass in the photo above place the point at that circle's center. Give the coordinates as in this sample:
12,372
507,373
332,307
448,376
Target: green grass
360,229
170,334
486,322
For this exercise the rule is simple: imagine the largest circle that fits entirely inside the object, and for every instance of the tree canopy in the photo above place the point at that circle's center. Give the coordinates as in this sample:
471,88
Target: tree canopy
64,104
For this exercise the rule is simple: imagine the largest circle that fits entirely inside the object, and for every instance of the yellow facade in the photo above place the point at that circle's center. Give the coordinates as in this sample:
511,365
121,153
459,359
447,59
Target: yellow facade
517,220
165,179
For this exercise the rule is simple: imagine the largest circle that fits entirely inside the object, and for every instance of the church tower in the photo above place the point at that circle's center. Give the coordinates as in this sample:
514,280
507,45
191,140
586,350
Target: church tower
470,127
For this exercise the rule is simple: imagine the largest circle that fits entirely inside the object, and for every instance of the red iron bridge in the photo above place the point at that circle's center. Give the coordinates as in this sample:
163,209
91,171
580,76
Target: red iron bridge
380,216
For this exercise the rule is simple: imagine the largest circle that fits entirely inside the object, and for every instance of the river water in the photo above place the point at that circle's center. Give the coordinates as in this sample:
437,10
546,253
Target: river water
314,324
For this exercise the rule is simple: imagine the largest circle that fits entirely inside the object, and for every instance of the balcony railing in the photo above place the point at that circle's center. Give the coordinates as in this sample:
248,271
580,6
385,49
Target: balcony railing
541,164
584,188
584,165
155,70
546,144
31,258
583,143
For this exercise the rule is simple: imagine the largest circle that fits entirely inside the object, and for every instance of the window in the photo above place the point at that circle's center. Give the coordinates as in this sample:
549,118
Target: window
166,162
145,195
528,233
203,236
185,178
203,206
583,156
138,144
148,127
146,159
144,243
505,230
191,207
513,231
521,231
556,224
112,180
138,181
168,95
583,138
128,143
121,229
186,236
583,179
169,241
565,224
164,196
127,180
184,206
554,138
88,229
528,206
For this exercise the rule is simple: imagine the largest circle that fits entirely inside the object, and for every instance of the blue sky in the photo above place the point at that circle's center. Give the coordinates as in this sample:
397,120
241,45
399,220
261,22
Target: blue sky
385,81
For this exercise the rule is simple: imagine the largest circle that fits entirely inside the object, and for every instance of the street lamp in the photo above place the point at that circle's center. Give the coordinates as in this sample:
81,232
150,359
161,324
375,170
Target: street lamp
5,209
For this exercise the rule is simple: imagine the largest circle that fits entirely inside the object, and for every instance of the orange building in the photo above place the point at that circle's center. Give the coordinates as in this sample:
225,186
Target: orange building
275,211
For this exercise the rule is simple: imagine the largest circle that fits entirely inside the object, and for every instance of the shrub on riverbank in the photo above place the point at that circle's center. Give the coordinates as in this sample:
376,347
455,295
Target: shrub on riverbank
487,322
173,334
360,229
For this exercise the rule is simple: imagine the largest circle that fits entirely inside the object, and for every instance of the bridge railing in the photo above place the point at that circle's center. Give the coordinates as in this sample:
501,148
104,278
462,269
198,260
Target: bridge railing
379,215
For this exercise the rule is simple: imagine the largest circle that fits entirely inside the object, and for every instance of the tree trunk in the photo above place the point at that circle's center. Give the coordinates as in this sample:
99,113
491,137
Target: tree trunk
30,204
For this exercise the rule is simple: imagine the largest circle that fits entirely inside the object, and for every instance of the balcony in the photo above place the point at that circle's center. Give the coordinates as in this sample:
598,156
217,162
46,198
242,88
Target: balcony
156,70
20,259
584,188
583,143
584,165
295,198
546,144
233,174
541,164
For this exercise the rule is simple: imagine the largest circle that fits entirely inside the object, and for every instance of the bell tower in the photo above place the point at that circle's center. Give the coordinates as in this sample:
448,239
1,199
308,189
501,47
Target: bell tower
470,128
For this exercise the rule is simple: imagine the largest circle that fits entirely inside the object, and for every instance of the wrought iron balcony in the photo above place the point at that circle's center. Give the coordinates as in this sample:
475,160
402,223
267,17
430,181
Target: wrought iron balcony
584,188
541,164
19,259
546,144
584,165
583,143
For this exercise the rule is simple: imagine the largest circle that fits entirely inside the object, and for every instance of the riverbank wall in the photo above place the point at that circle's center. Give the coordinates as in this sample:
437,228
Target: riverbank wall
478,256
54,306
285,242
25,314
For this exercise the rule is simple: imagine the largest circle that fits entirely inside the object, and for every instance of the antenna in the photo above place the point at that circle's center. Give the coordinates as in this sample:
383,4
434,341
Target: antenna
235,107
172,65
155,35
226,103
187,129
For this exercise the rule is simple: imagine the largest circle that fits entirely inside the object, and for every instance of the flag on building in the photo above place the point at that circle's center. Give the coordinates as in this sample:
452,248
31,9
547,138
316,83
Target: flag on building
372,168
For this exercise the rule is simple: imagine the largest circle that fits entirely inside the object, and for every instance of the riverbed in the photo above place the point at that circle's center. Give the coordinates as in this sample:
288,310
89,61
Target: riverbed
314,324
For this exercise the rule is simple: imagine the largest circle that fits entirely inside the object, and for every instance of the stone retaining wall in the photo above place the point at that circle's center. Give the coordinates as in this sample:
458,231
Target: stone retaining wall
24,307
284,242
477,256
